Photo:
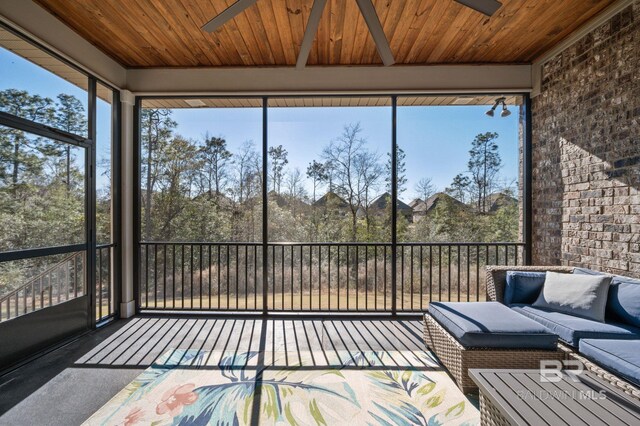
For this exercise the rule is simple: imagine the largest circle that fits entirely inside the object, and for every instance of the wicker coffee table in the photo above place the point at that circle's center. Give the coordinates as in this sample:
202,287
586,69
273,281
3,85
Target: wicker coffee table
520,397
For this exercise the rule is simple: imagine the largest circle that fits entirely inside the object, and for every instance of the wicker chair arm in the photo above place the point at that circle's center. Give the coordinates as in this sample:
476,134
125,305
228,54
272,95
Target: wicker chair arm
497,275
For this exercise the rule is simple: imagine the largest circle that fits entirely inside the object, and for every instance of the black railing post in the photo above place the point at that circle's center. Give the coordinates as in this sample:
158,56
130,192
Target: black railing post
265,208
394,205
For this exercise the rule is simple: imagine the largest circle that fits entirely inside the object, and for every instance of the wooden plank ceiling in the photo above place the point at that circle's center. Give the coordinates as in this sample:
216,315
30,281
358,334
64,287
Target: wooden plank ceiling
333,101
22,48
166,33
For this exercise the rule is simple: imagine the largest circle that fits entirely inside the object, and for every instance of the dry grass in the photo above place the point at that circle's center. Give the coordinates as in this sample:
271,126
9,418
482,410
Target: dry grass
303,302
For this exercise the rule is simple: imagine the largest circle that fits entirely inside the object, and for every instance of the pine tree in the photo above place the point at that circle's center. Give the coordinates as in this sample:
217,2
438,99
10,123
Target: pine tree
317,172
216,163
278,156
484,164
70,117
401,171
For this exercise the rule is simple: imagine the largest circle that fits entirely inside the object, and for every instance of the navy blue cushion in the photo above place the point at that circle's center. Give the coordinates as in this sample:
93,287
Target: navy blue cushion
623,302
619,356
571,329
523,287
491,325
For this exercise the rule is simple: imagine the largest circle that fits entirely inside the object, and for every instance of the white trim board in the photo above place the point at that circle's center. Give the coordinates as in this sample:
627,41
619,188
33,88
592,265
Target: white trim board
331,80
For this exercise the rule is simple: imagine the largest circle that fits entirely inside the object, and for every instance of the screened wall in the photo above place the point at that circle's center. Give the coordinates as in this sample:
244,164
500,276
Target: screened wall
334,203
58,164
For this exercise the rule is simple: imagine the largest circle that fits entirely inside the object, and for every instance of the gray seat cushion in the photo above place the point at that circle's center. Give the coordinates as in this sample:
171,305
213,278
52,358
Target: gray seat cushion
571,329
619,356
491,325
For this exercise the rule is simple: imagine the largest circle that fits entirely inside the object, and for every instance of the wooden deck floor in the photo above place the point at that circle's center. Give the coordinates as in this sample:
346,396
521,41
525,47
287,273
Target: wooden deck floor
67,385
143,339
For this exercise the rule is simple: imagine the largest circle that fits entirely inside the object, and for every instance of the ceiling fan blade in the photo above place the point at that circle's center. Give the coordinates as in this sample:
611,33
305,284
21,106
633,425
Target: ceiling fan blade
226,15
375,28
310,32
488,7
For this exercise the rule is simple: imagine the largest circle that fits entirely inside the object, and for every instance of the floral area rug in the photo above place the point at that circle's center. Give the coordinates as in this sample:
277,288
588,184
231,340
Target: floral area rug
366,388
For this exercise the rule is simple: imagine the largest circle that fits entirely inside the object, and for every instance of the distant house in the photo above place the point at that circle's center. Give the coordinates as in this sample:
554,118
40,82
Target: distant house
424,208
415,202
381,203
498,200
280,200
221,200
294,204
332,200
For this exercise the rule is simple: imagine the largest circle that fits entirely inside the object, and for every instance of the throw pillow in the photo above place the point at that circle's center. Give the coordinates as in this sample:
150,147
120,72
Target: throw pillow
580,295
523,287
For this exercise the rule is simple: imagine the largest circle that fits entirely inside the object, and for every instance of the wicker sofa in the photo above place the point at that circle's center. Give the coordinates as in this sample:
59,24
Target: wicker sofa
495,283
458,359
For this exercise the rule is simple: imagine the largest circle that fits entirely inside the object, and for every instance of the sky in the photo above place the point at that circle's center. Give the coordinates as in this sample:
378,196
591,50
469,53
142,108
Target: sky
18,73
436,140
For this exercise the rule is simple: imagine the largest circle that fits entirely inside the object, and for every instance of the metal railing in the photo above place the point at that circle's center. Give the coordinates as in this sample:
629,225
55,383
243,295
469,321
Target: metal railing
62,282
56,284
322,277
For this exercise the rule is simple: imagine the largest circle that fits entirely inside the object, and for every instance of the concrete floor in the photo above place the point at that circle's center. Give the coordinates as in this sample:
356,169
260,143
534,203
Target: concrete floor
69,384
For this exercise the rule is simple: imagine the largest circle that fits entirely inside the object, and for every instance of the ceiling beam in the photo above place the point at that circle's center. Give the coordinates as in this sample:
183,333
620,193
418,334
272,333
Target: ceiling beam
332,79
310,32
227,15
375,28
487,7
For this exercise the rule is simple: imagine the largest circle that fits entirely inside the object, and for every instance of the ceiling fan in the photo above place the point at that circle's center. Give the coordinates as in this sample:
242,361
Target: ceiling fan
487,7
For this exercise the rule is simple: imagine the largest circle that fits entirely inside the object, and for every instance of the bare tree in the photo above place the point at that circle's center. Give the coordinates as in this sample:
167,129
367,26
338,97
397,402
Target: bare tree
294,183
245,170
356,171
425,188
368,173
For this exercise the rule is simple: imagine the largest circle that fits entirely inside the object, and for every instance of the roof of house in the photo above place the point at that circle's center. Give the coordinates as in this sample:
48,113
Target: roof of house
432,202
497,200
415,202
380,203
331,198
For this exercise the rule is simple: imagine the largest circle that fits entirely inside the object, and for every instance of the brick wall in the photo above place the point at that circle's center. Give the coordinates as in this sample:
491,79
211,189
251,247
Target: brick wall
586,151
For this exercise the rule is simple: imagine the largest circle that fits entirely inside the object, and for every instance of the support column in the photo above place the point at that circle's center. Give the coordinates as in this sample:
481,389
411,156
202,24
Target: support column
127,238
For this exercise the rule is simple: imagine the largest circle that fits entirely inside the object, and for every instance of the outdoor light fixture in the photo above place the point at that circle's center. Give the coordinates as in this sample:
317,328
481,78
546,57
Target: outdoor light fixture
505,112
